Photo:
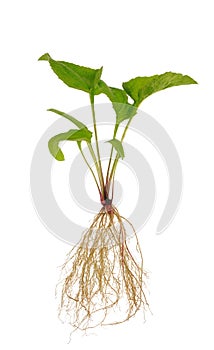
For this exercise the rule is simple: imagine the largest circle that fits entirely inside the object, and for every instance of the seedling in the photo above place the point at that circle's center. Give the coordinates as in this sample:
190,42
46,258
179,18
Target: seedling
103,280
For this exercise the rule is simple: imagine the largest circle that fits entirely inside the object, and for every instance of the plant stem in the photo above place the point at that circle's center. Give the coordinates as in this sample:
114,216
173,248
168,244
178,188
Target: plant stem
80,148
110,159
114,166
95,162
99,166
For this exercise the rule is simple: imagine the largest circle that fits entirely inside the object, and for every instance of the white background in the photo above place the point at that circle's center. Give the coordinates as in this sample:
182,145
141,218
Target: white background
128,38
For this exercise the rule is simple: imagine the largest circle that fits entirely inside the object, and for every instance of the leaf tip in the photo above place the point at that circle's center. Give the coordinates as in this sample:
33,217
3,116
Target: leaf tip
60,158
58,155
194,81
45,57
190,80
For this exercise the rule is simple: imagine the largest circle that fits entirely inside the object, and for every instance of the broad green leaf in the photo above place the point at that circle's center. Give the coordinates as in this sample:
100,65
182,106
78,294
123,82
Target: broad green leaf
141,87
124,111
69,117
77,77
114,94
118,147
119,101
79,135
71,135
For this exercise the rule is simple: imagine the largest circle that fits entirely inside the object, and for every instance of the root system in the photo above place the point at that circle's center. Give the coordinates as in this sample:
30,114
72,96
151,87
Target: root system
103,279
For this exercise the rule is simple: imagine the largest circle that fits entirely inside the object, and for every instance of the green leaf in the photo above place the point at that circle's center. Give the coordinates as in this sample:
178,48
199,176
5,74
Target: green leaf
118,147
114,94
69,117
45,57
141,87
124,111
119,100
71,135
77,77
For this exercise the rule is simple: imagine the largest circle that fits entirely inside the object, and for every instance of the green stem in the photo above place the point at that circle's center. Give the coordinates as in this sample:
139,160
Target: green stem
80,148
95,162
114,166
111,154
100,172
